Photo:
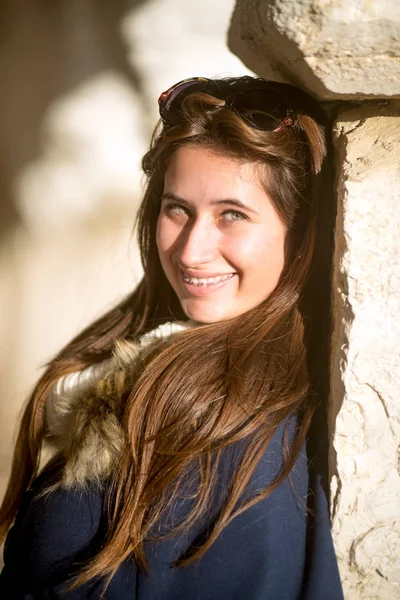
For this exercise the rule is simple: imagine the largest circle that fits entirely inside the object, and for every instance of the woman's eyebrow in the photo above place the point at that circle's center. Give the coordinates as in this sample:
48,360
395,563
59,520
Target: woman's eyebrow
171,196
230,201
235,202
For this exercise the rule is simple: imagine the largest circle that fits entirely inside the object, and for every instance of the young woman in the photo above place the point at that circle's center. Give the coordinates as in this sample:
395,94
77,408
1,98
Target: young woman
179,418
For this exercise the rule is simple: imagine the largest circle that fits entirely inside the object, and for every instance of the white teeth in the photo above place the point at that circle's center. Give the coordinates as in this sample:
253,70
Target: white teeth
206,280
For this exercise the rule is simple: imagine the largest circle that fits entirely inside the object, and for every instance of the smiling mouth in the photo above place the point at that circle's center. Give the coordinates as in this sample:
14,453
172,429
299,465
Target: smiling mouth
206,281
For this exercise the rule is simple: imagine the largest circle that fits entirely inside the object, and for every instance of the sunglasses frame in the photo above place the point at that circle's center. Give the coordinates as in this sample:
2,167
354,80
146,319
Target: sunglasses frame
168,97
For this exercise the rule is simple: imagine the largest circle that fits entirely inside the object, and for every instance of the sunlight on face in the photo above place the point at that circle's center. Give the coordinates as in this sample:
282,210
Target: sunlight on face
220,240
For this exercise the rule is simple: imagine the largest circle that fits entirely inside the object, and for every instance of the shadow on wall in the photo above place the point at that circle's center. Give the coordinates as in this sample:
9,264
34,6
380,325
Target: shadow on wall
47,48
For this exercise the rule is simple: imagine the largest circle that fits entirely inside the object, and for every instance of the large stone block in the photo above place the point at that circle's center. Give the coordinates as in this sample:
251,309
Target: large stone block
341,49
365,353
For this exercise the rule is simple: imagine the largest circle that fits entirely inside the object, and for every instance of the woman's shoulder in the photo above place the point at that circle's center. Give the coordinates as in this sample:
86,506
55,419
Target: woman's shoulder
272,460
54,530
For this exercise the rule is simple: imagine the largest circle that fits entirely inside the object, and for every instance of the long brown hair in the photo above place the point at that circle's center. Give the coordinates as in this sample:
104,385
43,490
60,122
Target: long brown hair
243,377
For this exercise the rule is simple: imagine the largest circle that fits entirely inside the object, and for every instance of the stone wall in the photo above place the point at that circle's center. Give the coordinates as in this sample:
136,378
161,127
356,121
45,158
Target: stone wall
365,352
349,53
337,49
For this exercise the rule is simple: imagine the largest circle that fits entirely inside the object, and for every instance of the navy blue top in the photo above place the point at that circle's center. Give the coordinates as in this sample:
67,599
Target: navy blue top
275,550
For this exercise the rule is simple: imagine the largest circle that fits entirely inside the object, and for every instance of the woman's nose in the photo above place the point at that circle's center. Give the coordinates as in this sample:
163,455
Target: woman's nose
198,244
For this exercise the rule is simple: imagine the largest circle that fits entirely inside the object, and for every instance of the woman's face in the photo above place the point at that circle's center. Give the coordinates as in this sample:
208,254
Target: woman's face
221,242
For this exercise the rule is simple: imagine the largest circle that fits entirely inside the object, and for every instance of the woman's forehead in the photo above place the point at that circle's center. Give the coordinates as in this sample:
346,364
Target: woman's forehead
192,167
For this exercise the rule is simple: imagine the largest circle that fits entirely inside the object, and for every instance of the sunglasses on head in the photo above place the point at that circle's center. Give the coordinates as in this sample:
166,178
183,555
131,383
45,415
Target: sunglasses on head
257,103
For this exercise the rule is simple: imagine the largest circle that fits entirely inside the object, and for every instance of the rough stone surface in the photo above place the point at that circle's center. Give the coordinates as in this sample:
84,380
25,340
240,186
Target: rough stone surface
365,354
334,48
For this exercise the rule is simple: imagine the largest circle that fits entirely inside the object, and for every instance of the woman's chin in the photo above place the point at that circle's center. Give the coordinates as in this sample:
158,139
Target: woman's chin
199,312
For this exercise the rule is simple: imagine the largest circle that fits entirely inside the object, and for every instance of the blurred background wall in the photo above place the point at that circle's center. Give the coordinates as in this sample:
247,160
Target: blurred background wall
78,101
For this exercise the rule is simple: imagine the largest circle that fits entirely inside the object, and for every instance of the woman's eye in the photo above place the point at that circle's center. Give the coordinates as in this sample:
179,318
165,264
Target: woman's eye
234,215
176,209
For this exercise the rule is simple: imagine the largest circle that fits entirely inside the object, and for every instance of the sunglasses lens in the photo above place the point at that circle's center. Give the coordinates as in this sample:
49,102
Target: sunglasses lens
262,108
170,102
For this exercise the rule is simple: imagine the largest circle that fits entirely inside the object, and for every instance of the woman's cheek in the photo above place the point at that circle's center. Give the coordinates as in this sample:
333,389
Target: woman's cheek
164,234
249,249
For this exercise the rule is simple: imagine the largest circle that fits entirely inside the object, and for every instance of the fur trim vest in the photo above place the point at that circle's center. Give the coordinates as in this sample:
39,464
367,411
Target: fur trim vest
84,409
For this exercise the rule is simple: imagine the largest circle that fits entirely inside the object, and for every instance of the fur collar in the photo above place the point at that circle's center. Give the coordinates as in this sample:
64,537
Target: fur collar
84,409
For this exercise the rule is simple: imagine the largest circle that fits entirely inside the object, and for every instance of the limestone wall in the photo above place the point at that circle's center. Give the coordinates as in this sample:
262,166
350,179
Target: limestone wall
366,361
336,48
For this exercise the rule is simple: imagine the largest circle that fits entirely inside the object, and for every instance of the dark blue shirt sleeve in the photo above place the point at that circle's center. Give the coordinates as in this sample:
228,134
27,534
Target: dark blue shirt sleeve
275,550
53,536
321,577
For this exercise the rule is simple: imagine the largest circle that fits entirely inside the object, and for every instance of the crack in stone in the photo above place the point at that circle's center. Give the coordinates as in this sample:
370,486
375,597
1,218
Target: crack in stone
335,501
380,398
357,126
